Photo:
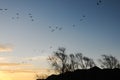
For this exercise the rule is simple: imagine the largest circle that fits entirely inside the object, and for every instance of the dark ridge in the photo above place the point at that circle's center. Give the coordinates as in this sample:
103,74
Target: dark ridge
94,73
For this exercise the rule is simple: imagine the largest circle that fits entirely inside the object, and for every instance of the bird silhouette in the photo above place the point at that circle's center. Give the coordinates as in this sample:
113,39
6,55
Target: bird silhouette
83,16
52,30
73,25
29,14
60,28
16,16
13,17
50,47
1,9
49,26
55,28
81,19
99,2
5,9
17,13
32,19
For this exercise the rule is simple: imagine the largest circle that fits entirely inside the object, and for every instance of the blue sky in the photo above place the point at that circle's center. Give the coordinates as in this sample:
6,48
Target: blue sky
85,27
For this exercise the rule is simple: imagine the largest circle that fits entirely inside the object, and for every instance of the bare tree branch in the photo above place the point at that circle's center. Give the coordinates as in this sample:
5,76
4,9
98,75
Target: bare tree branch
109,61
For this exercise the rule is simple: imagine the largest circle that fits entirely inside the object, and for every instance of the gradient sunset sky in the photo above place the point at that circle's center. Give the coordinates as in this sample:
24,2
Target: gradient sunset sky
30,30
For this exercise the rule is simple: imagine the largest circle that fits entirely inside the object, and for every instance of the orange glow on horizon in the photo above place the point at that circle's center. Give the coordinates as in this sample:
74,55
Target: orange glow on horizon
24,74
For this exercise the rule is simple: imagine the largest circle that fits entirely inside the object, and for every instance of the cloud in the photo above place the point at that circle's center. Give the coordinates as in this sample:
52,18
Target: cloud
38,61
3,59
19,71
37,58
9,75
14,64
4,76
6,48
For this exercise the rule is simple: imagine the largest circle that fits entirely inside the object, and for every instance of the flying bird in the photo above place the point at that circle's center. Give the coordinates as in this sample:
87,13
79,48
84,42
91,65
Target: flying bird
49,26
5,9
81,19
100,1
29,14
73,25
52,30
56,27
83,16
32,19
17,13
60,28
50,47
16,16
13,18
97,3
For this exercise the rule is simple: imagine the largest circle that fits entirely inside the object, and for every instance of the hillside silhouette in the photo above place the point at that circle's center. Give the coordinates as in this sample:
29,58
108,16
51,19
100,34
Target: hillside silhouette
94,73
79,67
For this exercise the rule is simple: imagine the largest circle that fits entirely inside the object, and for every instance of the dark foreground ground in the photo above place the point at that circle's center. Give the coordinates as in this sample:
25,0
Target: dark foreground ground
94,73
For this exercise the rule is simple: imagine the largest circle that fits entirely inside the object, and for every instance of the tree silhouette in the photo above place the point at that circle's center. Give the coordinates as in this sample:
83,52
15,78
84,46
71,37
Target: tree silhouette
109,61
84,62
78,61
62,62
59,60
73,65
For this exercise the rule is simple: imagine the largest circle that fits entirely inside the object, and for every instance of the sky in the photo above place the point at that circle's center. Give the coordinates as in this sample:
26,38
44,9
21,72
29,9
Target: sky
30,30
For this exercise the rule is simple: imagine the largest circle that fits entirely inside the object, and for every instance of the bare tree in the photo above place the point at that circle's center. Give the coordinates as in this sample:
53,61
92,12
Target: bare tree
54,63
84,62
63,62
59,60
109,61
73,65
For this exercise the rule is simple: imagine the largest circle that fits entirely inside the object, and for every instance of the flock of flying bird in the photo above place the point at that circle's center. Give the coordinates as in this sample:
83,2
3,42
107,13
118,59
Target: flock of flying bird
81,19
17,16
99,2
51,28
54,28
3,9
